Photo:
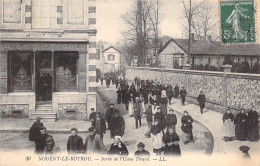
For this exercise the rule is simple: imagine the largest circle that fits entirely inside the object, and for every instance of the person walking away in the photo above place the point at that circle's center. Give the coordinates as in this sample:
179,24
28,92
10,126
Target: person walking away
141,151
171,120
149,119
137,112
100,125
92,117
119,95
252,125
228,130
202,100
117,125
183,94
101,80
157,134
187,127
75,142
109,114
34,131
118,147
176,91
94,143
241,125
171,141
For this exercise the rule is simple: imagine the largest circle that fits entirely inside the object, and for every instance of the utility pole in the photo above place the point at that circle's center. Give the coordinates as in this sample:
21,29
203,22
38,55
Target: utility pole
189,44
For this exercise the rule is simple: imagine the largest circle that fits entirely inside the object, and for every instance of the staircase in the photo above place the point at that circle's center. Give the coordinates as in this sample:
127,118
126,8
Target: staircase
45,112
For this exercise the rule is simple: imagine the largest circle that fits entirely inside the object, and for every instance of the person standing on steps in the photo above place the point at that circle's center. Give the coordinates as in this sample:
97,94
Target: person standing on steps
202,100
183,94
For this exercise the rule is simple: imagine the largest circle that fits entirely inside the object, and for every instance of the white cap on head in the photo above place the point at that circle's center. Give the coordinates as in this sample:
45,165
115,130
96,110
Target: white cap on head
118,137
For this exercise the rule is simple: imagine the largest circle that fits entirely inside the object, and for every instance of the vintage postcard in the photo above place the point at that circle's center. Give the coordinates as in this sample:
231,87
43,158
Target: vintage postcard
129,82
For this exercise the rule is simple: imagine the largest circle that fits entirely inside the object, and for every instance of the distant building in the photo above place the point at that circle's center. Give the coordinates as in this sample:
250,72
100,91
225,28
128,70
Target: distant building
110,60
47,58
206,52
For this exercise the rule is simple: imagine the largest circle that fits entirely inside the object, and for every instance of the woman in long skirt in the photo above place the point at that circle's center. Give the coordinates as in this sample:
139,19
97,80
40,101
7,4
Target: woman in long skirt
241,125
228,130
131,104
157,135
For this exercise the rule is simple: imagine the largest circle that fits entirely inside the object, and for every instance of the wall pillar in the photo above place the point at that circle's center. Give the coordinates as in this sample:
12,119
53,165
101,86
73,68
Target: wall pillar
227,69
3,72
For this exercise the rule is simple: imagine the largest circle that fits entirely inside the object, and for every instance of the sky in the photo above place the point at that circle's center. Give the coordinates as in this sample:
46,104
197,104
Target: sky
110,24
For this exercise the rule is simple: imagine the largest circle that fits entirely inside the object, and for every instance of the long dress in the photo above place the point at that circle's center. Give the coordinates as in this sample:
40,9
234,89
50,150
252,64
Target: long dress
252,126
157,136
228,129
241,126
130,108
187,127
174,149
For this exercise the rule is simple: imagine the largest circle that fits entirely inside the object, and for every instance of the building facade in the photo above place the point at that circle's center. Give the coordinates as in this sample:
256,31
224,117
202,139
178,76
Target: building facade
111,60
47,58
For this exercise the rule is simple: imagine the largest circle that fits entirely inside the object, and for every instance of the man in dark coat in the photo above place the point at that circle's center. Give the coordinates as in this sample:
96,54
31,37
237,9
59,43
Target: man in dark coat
187,127
117,125
252,125
119,95
35,129
40,141
169,93
171,120
171,140
183,94
118,147
137,112
75,142
100,125
241,125
149,119
141,151
176,91
202,100
109,114
92,117
94,143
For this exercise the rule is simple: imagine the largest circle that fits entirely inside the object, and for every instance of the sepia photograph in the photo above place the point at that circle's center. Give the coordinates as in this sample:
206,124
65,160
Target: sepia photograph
130,82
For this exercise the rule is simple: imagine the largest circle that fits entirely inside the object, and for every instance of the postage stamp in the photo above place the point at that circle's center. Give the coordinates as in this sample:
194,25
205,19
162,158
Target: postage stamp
237,21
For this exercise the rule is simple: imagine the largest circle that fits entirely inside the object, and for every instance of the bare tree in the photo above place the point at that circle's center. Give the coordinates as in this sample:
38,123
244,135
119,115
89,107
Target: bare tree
139,27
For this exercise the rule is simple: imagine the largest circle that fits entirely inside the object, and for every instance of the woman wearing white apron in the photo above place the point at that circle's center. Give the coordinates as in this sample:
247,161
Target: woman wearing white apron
131,104
228,130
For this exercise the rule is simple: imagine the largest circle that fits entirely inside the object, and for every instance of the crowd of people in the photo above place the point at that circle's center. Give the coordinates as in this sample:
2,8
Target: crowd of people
150,98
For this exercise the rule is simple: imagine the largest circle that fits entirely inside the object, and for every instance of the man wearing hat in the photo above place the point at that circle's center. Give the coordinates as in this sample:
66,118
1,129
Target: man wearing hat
202,100
94,143
35,129
171,120
183,94
141,151
109,114
40,142
137,112
118,147
117,124
245,150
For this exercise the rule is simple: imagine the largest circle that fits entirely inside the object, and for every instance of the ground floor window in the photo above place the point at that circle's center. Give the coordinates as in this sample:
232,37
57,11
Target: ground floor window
178,61
20,71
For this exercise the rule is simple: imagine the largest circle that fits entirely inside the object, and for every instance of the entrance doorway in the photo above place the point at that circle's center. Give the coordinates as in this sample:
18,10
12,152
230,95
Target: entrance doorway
43,76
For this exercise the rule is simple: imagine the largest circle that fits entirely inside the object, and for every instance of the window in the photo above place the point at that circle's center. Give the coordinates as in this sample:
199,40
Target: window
111,57
66,71
178,61
20,71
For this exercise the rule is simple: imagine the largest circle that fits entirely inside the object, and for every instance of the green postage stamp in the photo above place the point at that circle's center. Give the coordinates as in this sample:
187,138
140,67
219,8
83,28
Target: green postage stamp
237,21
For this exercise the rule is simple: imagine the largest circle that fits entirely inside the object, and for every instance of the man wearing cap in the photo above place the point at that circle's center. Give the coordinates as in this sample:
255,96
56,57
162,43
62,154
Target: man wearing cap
35,129
141,151
109,114
149,119
186,127
92,117
94,143
75,143
171,120
245,150
202,100
118,147
100,126
117,124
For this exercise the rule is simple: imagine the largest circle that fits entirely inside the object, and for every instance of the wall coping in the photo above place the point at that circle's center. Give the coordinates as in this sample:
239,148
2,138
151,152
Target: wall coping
198,72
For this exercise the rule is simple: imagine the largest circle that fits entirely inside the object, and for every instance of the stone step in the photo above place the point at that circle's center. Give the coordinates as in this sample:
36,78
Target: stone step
43,109
39,106
47,116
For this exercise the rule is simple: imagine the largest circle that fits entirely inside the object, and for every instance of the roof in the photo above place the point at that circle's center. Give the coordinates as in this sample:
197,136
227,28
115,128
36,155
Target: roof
204,47
109,48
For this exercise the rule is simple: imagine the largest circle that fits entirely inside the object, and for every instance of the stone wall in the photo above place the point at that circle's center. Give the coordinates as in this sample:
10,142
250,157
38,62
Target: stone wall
238,90
66,111
14,110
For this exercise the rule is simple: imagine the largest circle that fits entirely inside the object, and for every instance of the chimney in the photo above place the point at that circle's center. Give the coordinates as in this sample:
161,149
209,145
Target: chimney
209,38
192,37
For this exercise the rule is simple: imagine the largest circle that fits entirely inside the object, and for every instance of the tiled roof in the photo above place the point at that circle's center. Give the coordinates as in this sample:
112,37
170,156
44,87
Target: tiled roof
204,47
